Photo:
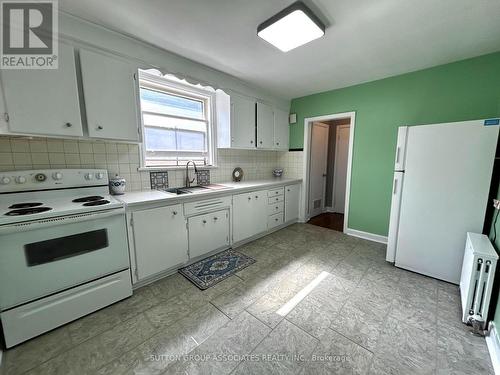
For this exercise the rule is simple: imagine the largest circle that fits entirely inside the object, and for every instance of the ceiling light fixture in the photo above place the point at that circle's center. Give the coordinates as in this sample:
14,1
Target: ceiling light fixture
292,27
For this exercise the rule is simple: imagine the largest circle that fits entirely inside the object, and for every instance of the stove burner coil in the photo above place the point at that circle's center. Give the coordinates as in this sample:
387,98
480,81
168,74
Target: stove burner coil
25,205
96,203
27,211
91,198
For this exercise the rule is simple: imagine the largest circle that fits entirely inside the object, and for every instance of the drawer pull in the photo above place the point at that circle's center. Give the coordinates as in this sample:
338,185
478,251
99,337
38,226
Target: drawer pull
174,213
249,198
256,197
204,221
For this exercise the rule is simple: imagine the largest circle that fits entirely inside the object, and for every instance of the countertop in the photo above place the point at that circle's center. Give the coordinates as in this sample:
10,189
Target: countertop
134,198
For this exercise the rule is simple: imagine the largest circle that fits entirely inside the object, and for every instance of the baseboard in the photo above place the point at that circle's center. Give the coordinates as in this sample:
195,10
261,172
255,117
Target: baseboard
492,340
366,235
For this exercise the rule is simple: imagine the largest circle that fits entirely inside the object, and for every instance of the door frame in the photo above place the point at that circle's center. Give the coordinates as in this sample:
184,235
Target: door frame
323,201
335,165
304,214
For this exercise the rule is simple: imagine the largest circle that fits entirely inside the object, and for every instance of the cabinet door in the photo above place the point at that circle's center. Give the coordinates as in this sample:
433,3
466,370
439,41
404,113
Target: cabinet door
208,232
242,122
249,214
160,239
243,217
259,208
281,129
110,91
43,101
265,126
292,199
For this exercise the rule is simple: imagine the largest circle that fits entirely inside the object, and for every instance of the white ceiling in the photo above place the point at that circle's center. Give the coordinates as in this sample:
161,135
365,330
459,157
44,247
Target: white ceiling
365,39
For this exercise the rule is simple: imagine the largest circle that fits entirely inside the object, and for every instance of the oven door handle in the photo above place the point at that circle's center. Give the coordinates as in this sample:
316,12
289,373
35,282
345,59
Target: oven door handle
61,220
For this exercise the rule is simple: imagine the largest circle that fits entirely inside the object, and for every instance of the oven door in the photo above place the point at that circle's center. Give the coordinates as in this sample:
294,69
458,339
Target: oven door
42,257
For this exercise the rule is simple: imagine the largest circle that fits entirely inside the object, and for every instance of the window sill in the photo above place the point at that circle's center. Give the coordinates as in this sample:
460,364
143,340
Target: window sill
166,169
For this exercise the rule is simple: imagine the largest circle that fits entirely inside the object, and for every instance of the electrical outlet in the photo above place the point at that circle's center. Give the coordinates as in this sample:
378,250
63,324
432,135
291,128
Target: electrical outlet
496,204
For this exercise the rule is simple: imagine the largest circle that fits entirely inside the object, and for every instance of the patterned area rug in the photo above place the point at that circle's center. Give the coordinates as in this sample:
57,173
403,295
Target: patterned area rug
209,271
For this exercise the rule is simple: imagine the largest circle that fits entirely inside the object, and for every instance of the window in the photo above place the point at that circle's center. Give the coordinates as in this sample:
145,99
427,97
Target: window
177,122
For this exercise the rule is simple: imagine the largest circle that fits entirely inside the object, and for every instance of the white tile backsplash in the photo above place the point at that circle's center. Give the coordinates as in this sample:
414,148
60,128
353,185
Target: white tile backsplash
123,159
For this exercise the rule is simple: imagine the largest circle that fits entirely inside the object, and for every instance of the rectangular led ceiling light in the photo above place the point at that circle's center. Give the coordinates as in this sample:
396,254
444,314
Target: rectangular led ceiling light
292,27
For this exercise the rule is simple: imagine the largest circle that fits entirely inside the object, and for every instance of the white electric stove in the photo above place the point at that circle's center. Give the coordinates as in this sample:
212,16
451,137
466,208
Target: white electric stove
63,249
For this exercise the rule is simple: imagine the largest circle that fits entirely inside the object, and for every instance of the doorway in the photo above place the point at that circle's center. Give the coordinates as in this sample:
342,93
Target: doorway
327,168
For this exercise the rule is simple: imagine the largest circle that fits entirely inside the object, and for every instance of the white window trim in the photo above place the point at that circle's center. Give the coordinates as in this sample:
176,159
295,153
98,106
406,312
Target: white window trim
181,89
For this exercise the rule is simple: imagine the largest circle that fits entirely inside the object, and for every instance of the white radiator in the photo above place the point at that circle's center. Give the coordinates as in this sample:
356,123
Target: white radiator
478,271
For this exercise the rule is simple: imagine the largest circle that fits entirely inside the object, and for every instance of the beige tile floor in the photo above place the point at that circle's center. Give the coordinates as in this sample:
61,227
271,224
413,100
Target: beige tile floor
364,317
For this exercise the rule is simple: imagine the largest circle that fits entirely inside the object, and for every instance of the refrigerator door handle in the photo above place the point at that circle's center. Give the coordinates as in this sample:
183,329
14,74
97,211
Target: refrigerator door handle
395,186
397,154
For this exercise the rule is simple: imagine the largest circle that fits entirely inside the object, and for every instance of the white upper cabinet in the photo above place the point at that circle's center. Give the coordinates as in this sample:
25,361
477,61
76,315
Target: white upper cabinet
242,122
265,126
111,97
281,131
44,101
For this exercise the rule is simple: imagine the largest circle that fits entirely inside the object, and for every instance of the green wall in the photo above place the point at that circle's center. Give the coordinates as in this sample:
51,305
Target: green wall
465,90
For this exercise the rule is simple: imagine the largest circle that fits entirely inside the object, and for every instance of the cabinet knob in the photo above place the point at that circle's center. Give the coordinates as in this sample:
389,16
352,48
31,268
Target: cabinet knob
204,221
249,198
276,192
251,142
287,189
99,127
216,218
174,213
277,199
260,142
276,219
68,124
277,143
256,197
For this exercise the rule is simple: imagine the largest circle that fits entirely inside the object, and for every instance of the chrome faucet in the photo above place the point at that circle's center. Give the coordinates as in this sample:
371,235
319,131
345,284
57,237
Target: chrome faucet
188,181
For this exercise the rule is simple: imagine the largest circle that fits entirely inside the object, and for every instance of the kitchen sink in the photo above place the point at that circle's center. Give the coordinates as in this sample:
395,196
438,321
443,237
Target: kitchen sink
185,190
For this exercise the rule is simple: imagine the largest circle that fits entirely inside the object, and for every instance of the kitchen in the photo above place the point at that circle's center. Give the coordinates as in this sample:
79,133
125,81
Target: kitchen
132,161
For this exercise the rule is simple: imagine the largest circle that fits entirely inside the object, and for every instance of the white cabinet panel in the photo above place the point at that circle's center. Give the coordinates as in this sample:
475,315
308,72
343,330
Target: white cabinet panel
208,232
281,129
110,97
249,214
160,239
44,101
242,122
265,126
292,199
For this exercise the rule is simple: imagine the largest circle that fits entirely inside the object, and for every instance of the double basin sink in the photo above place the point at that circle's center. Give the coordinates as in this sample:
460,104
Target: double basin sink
196,189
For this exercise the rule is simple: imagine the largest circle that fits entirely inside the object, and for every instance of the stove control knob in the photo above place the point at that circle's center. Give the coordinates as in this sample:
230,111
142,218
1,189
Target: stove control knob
40,177
57,176
20,179
89,176
99,175
5,180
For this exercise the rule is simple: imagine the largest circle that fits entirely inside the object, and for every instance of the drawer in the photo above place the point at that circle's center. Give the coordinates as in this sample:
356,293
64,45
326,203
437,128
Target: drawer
275,208
276,192
206,205
273,200
275,220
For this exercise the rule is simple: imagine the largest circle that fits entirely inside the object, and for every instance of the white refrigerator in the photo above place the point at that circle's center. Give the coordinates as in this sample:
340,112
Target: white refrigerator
440,191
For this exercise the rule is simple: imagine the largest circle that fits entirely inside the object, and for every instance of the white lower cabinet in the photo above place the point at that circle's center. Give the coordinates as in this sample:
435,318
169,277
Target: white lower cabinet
292,199
160,240
249,214
208,232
